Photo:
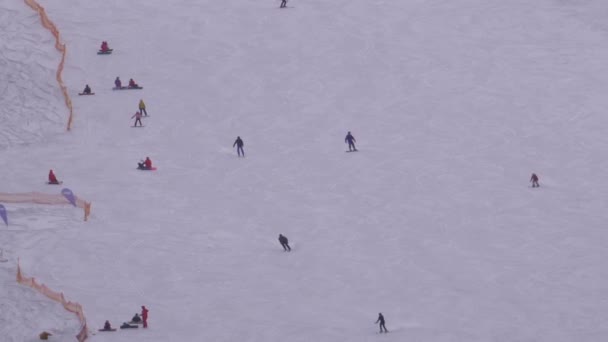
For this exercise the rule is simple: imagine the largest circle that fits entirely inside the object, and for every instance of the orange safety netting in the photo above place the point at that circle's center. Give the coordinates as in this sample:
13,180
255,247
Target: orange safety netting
58,297
48,24
40,198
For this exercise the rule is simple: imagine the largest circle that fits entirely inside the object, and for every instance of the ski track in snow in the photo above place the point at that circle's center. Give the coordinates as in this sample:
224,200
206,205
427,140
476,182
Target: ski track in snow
433,223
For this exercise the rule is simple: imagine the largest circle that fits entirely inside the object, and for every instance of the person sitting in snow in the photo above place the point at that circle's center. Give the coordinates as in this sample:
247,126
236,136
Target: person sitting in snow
117,82
104,46
87,89
132,84
136,319
146,164
52,178
107,326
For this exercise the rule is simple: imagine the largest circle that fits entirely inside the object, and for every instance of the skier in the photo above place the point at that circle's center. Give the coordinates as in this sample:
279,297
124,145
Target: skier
351,142
142,107
284,242
87,90
104,46
118,83
283,3
137,117
136,319
132,84
107,326
381,321
146,164
534,180
144,315
239,146
52,178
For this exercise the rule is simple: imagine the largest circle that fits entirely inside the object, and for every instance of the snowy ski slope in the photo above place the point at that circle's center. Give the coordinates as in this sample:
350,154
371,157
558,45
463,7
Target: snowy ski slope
433,223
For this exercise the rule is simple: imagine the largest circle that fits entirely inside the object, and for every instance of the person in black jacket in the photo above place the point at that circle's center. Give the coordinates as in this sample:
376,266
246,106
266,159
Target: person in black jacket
351,142
239,146
534,180
283,3
381,321
284,242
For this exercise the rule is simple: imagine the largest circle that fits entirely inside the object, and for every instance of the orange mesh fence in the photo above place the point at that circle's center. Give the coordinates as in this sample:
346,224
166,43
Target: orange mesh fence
58,297
40,198
48,24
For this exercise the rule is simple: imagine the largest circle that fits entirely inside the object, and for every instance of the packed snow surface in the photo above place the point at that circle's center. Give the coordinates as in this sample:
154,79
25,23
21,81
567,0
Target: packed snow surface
433,222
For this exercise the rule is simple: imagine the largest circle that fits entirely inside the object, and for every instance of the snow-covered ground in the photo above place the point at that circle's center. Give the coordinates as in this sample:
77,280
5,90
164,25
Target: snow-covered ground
433,223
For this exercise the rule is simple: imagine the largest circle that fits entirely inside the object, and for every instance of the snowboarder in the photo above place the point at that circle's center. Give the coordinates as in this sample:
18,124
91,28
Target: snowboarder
104,46
351,142
126,325
381,321
137,117
142,107
87,90
239,146
118,83
144,316
284,242
52,178
107,326
132,84
534,180
146,164
136,319
283,3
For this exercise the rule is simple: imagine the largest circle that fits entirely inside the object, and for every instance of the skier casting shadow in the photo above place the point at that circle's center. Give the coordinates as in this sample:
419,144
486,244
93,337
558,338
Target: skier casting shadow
351,142
239,146
284,242
382,322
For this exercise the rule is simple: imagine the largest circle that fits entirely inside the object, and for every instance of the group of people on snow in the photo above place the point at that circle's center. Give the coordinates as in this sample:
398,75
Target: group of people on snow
118,83
137,319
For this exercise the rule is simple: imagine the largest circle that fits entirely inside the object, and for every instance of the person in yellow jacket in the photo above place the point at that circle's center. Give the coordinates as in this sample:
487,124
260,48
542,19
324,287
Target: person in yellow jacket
142,107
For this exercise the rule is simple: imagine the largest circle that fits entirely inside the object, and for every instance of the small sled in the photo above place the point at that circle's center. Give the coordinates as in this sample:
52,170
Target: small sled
86,94
150,169
58,183
106,329
128,326
107,52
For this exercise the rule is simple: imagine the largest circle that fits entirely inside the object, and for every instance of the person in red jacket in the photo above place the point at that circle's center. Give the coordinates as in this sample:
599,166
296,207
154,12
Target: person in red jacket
146,164
132,84
104,46
52,178
144,316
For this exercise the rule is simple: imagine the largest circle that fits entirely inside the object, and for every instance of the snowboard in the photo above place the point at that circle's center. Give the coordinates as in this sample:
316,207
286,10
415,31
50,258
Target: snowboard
86,94
58,183
107,329
150,169
109,52
127,88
